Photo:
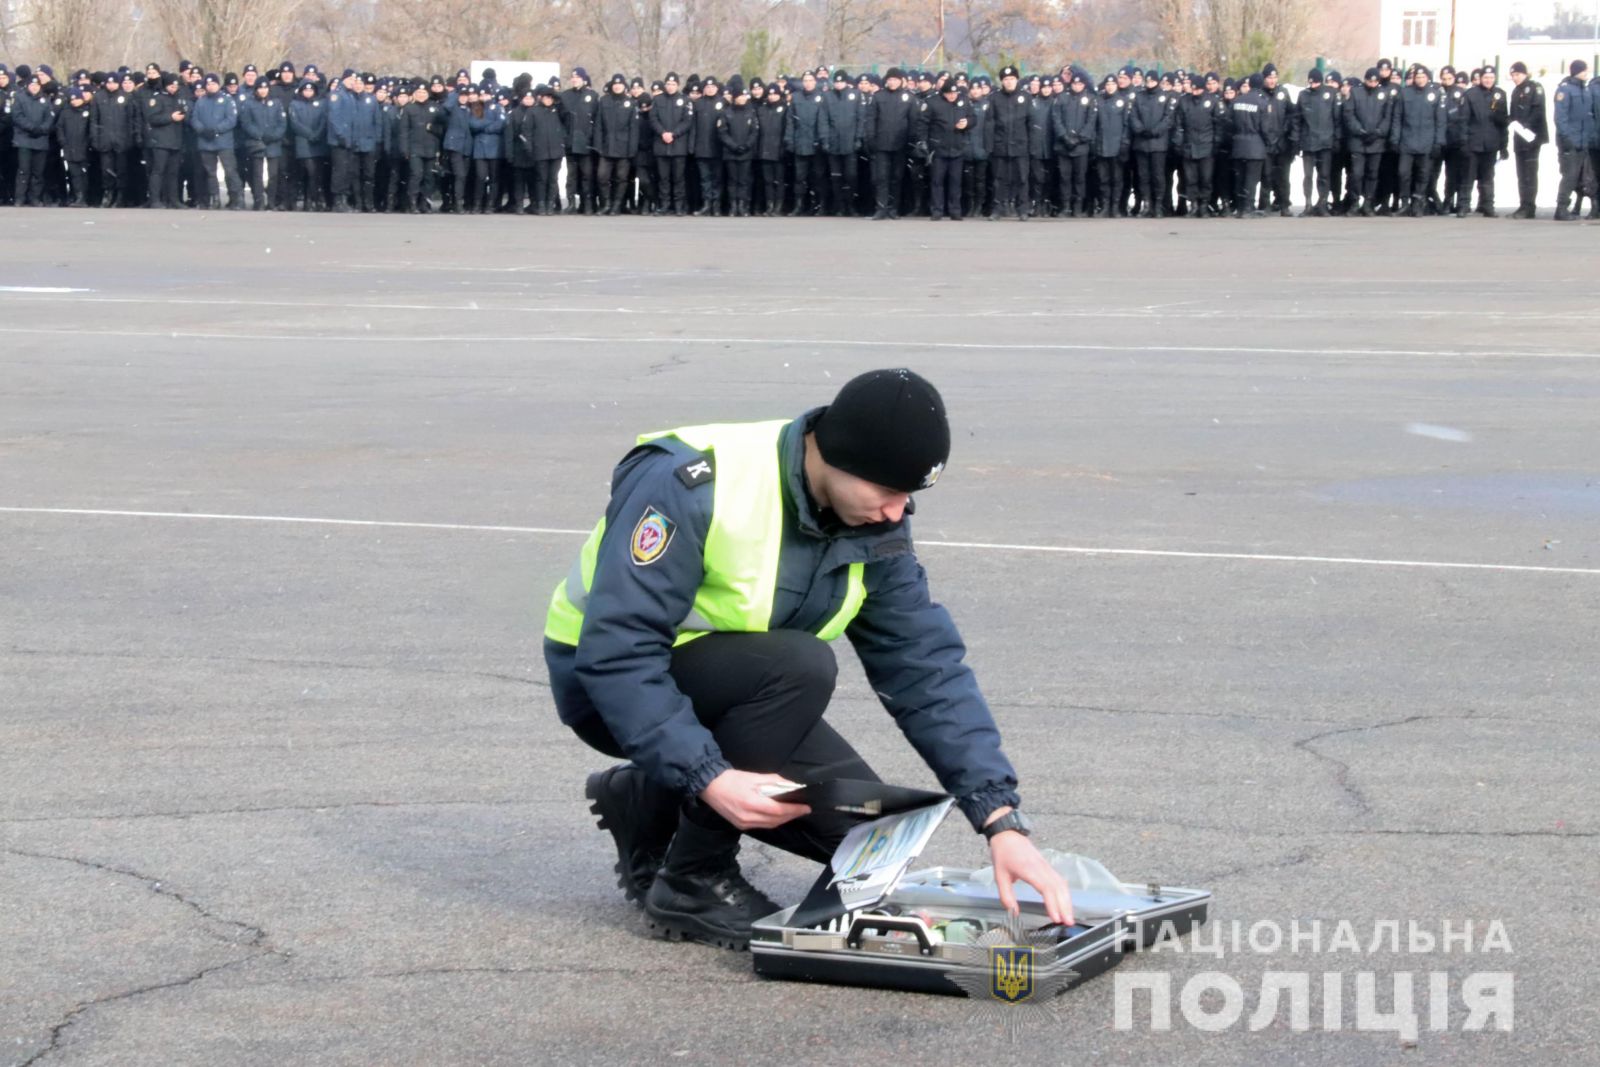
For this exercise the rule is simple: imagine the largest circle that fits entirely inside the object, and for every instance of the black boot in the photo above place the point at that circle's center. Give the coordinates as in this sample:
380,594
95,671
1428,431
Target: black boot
699,894
641,817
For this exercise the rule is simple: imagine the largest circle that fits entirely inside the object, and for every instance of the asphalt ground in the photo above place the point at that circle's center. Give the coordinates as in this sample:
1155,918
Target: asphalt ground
1276,545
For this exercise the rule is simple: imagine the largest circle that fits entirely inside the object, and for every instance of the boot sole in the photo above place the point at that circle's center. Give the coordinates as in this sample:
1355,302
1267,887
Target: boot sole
670,926
591,789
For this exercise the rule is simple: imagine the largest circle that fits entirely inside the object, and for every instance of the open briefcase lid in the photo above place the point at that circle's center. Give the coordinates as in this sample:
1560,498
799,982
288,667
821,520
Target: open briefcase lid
875,855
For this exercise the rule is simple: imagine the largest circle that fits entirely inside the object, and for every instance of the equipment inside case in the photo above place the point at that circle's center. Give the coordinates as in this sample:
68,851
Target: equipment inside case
867,921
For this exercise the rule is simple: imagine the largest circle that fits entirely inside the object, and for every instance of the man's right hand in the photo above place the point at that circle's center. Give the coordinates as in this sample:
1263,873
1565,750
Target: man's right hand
737,797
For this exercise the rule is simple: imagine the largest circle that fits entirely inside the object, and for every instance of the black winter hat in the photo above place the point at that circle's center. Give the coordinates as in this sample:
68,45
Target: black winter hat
889,427
1313,76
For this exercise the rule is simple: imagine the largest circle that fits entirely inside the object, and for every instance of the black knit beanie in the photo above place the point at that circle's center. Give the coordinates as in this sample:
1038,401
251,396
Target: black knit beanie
887,426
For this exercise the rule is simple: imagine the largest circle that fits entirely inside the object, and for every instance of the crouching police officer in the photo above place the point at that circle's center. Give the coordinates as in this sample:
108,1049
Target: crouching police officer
690,637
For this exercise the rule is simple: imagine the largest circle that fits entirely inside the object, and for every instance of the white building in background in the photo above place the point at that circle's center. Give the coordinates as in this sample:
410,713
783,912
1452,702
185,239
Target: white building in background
1544,34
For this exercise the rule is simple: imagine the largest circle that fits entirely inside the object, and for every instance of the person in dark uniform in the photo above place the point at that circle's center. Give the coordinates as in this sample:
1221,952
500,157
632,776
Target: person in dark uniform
1150,123
74,131
1316,111
846,109
1368,116
671,126
422,123
1417,133
616,142
1488,115
716,698
1198,127
1250,111
887,133
578,107
166,114
1527,110
458,144
644,161
1110,142
980,141
215,117
1455,139
1008,114
805,138
769,147
949,123
707,148
263,127
112,136
1575,132
1281,130
548,134
1072,121
8,156
1041,187
738,129
308,122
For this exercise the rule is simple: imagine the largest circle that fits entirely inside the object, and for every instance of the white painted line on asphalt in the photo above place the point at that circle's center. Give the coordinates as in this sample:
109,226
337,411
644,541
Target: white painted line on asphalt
115,513
801,342
40,289
1251,557
1146,311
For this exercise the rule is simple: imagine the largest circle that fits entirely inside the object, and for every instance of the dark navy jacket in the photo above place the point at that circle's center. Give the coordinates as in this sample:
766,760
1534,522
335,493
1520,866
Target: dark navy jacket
908,645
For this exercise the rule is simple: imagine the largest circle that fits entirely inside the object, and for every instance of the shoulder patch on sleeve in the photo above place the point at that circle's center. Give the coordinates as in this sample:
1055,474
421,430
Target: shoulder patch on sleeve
698,471
899,546
651,536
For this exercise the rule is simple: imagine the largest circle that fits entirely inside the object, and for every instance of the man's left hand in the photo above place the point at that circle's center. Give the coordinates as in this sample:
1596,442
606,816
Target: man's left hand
1017,860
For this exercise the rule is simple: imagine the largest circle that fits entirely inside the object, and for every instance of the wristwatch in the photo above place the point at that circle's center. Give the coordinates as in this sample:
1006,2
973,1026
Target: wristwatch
1011,820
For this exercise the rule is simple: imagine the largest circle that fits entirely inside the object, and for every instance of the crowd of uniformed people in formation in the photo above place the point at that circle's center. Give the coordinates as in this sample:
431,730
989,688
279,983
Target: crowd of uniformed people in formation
918,143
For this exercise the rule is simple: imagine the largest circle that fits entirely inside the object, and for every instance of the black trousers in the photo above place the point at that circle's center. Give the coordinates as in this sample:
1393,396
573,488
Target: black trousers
1037,195
341,172
1364,168
1246,179
230,176
709,171
1276,173
611,176
1010,183
1108,169
888,168
810,176
546,192
1318,170
78,180
111,163
1481,171
1074,174
944,189
311,168
1414,168
163,177
1197,177
1151,168
671,192
974,187
30,175
421,174
580,178
644,166
265,174
485,184
1527,175
736,179
842,176
762,696
1575,179
772,185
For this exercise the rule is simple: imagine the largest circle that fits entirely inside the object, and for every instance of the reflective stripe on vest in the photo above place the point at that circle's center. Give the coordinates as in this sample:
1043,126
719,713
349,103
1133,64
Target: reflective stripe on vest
742,546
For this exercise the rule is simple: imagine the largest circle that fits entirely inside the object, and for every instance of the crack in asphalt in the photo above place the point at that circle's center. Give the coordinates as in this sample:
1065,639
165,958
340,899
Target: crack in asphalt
273,808
281,662
1304,855
254,937
1341,769
58,1031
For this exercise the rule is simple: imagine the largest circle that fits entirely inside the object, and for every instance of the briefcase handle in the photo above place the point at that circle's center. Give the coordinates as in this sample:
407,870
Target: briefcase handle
884,924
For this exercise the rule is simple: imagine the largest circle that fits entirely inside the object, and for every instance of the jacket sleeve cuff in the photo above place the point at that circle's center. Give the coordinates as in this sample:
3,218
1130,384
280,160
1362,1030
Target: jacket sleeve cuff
701,775
976,806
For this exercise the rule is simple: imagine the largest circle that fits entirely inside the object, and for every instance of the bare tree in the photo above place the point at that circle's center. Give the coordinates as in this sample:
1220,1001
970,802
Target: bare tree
1235,36
66,33
218,34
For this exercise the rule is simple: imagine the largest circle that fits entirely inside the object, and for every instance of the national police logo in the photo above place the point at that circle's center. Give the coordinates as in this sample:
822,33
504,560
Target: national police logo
932,475
651,536
1011,972
1001,974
